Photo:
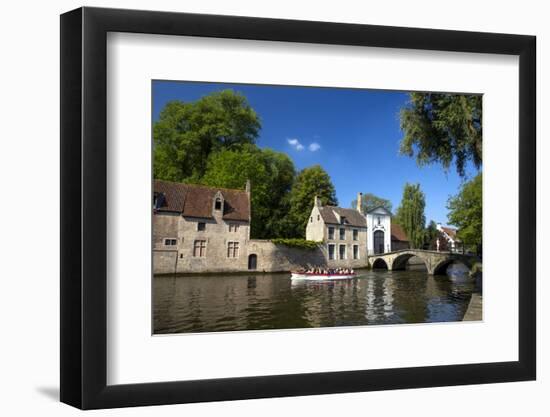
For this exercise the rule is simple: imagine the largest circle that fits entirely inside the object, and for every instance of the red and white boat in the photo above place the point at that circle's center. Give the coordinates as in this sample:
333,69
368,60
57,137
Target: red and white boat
314,276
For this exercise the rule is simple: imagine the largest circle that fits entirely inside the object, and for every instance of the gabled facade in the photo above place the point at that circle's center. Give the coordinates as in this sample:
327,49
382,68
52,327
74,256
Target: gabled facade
196,227
379,226
343,233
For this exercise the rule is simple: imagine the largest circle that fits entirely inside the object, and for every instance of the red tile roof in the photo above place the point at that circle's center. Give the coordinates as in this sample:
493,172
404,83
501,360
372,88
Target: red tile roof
397,233
198,200
450,232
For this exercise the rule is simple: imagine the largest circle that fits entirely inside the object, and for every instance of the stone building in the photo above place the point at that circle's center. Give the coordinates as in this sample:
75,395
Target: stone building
343,233
349,236
199,229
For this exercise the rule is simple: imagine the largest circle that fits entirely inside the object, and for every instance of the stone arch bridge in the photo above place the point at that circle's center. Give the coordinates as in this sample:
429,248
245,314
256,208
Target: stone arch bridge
436,262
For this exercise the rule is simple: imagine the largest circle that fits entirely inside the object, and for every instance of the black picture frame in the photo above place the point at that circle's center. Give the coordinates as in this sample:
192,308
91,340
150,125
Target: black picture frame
84,208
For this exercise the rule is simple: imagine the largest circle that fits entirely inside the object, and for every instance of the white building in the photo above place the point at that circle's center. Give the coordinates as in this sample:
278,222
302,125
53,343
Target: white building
379,230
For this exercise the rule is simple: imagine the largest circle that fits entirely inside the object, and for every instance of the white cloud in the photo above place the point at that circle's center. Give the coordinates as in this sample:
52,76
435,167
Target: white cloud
295,143
313,147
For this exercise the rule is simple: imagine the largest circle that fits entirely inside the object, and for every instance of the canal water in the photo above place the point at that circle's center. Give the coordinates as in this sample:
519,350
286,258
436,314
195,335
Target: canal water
213,303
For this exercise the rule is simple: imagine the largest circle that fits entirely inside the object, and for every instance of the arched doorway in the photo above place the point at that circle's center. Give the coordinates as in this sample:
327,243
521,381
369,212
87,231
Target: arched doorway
378,240
252,261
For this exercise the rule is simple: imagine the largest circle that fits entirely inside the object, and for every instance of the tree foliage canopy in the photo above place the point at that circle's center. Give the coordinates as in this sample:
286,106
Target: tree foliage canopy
271,175
466,212
371,201
410,214
443,128
187,133
431,234
310,182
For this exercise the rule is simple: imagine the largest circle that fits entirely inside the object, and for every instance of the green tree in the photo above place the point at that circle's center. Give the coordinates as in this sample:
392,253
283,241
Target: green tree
310,182
410,214
466,213
443,128
371,201
187,133
271,175
431,234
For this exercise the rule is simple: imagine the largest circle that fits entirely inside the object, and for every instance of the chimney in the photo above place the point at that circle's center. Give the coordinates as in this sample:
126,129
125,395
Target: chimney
247,187
360,202
317,202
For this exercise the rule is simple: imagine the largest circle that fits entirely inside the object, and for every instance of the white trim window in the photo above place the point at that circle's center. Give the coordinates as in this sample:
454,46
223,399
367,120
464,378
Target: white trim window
355,234
331,233
341,251
232,249
331,251
170,241
355,251
199,248
342,233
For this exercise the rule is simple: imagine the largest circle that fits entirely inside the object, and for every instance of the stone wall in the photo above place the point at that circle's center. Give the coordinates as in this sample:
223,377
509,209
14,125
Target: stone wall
278,258
178,258
165,261
216,233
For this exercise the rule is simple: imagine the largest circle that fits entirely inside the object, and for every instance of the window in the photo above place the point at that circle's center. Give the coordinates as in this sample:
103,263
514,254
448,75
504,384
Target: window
342,234
355,251
331,251
378,219
199,248
331,233
218,204
355,234
342,253
158,200
342,219
318,217
233,227
201,227
311,219
233,249
170,242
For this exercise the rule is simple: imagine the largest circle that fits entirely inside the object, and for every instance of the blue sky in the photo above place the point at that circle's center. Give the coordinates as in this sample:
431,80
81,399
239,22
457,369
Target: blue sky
353,134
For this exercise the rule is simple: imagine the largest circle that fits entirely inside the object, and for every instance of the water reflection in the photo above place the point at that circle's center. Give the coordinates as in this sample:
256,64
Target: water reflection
273,301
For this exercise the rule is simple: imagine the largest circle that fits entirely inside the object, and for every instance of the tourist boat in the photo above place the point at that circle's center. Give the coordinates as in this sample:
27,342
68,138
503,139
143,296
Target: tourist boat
313,276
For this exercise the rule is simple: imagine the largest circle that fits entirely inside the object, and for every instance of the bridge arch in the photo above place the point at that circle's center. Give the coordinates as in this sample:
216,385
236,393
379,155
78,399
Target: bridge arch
441,267
380,263
400,262
435,262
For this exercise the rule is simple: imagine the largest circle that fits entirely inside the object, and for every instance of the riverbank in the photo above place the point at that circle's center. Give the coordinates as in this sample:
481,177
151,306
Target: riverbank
475,309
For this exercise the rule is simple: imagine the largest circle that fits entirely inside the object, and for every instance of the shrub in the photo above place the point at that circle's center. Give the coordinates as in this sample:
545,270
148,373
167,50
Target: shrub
297,243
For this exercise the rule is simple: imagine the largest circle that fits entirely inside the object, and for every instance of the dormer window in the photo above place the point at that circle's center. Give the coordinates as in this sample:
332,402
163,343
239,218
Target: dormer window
218,204
342,220
158,200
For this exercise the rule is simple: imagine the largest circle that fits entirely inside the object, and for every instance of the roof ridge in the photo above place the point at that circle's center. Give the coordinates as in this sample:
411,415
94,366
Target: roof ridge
201,186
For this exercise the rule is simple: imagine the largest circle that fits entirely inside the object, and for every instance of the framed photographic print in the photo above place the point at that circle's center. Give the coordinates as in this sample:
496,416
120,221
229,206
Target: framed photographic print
257,208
